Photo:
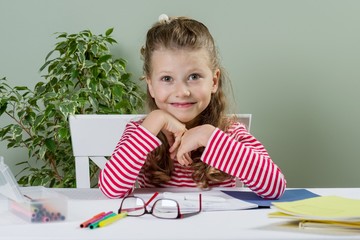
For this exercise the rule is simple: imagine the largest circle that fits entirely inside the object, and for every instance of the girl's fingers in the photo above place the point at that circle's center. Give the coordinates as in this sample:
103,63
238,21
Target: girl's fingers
175,144
188,158
185,159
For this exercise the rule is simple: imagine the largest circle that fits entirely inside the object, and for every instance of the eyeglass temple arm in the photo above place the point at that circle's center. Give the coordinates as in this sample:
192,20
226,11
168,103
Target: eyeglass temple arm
151,199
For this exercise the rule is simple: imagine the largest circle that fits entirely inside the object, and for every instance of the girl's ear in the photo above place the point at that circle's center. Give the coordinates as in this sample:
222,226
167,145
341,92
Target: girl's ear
216,79
149,86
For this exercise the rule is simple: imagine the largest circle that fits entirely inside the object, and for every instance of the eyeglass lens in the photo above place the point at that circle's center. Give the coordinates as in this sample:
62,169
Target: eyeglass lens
134,206
165,208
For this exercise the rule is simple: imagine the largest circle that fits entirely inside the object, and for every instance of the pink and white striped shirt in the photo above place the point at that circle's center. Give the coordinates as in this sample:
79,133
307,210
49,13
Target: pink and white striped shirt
235,152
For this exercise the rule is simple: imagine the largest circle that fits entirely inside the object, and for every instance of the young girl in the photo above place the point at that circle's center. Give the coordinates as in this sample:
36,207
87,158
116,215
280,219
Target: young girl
187,140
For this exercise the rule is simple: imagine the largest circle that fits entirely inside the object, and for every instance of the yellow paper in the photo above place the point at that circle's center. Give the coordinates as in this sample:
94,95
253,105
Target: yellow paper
322,208
305,222
329,224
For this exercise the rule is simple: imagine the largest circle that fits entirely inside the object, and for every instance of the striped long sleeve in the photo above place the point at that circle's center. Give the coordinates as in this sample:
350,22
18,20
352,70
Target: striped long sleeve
118,177
235,152
243,156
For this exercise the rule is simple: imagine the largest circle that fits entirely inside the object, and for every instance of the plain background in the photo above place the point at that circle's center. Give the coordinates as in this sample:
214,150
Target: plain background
295,65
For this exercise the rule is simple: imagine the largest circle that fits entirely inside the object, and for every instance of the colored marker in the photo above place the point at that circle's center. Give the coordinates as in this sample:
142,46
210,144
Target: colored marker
96,224
99,219
110,220
93,219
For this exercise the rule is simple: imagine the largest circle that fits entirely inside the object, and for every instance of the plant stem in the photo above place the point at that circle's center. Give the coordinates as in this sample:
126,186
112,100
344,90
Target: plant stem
53,166
21,125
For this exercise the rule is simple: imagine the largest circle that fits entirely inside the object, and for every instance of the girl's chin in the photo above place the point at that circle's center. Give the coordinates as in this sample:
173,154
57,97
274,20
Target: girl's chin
183,119
186,120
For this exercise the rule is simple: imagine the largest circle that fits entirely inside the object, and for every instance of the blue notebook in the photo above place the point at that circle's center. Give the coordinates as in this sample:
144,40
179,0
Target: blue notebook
288,196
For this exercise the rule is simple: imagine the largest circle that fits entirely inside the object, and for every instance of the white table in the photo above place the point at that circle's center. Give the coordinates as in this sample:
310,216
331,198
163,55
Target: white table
243,224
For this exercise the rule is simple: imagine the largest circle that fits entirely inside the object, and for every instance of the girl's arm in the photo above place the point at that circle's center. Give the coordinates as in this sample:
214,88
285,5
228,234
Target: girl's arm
118,177
241,155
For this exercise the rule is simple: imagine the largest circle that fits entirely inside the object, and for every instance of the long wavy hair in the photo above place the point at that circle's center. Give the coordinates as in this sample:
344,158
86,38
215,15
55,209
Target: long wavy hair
185,33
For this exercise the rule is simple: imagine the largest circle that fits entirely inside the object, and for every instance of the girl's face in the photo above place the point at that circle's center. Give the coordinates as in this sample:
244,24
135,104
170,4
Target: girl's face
181,82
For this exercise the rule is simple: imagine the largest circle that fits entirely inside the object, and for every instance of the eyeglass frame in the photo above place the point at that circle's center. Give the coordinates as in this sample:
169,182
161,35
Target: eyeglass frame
179,214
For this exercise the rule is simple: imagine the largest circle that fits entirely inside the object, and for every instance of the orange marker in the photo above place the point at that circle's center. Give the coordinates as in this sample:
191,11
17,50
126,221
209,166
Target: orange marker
93,219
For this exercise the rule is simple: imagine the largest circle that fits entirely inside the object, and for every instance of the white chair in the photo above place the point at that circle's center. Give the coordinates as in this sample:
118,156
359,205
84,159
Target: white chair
94,136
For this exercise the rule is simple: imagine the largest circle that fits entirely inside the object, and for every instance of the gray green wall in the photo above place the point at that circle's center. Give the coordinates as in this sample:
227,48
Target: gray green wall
295,65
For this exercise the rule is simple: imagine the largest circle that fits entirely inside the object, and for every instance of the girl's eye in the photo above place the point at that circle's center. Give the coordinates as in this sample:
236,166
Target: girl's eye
166,79
194,76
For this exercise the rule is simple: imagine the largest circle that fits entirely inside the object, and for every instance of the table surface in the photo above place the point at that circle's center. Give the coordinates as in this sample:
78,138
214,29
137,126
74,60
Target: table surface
241,224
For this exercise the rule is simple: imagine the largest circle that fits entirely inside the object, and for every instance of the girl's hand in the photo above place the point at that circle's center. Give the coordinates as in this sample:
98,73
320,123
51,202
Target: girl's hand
192,139
173,129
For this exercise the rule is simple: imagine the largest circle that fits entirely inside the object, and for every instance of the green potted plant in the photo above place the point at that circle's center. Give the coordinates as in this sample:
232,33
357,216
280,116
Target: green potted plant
82,78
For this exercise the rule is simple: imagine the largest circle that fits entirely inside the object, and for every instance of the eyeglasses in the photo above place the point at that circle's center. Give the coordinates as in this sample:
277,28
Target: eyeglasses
162,208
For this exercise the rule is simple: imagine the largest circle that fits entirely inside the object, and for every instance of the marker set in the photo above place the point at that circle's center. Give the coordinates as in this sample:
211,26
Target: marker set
102,219
33,204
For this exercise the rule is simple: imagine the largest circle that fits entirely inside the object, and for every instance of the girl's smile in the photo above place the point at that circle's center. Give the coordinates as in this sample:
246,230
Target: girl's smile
183,104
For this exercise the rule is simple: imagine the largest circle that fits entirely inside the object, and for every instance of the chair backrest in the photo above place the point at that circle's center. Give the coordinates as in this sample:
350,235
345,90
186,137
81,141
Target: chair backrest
94,136
244,118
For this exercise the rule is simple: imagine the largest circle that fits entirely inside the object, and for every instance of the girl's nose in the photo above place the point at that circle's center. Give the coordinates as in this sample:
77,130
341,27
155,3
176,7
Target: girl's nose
183,91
